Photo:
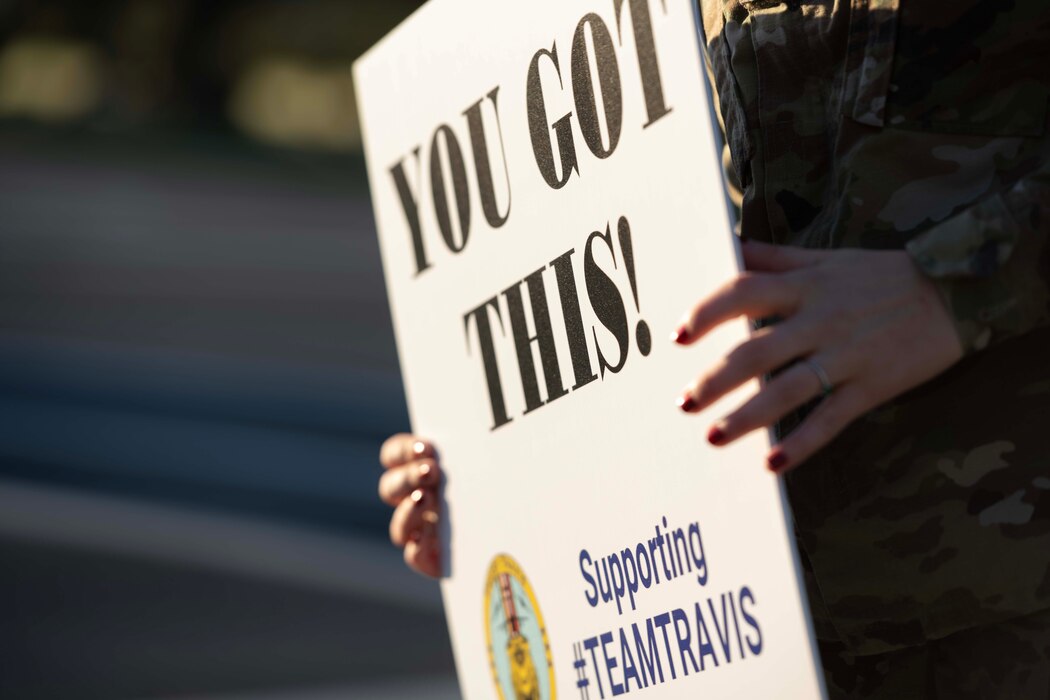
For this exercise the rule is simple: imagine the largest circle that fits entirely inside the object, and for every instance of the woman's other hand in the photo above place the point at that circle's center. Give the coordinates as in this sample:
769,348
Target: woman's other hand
861,326
410,484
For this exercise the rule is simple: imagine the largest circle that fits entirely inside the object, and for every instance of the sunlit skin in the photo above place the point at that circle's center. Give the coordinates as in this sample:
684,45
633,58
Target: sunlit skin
410,483
874,323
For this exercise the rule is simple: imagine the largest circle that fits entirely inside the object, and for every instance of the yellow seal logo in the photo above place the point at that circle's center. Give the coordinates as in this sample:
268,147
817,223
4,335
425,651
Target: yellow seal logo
519,653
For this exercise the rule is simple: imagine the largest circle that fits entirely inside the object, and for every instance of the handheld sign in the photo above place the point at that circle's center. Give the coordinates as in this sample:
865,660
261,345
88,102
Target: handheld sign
549,203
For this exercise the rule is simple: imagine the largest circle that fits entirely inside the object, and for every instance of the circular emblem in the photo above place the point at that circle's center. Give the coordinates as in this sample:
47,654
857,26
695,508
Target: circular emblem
519,653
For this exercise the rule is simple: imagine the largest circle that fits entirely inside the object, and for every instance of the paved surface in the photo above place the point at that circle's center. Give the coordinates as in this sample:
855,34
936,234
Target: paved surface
196,369
432,688
194,329
81,624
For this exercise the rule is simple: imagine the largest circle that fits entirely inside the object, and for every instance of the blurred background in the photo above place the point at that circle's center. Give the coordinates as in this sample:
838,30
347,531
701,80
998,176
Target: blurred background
196,361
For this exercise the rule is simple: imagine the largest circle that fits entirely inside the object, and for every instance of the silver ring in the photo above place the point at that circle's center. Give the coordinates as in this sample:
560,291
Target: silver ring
825,381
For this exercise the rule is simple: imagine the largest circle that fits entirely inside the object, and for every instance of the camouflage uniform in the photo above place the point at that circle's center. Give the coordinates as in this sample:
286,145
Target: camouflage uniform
917,125
1006,661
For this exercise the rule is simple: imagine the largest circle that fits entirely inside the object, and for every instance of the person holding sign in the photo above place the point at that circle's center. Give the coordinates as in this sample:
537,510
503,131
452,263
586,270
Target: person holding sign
892,167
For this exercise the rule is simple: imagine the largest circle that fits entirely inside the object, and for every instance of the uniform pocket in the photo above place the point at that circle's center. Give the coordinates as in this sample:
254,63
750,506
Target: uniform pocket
969,67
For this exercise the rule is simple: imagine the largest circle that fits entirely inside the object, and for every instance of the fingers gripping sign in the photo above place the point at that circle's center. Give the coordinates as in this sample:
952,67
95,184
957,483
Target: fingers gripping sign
856,329
410,484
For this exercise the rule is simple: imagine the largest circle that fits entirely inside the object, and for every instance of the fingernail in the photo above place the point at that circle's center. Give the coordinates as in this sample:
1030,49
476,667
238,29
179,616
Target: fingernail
431,517
716,436
425,472
777,461
417,495
419,448
687,403
679,336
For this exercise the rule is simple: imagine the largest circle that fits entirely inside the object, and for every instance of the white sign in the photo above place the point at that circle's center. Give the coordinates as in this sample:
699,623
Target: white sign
550,203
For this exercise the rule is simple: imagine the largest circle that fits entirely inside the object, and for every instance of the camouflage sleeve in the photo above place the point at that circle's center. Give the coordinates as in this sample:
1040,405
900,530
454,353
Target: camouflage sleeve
991,260
734,191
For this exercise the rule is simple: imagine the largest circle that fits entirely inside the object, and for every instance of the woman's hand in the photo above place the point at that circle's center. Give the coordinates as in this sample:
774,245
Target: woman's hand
868,320
410,484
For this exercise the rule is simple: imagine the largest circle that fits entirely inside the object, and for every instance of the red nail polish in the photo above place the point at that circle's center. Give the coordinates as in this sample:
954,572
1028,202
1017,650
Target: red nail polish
687,403
716,436
680,336
777,461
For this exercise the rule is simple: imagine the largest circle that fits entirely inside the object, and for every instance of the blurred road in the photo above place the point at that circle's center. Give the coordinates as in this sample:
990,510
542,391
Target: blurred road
196,370
202,327
94,625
